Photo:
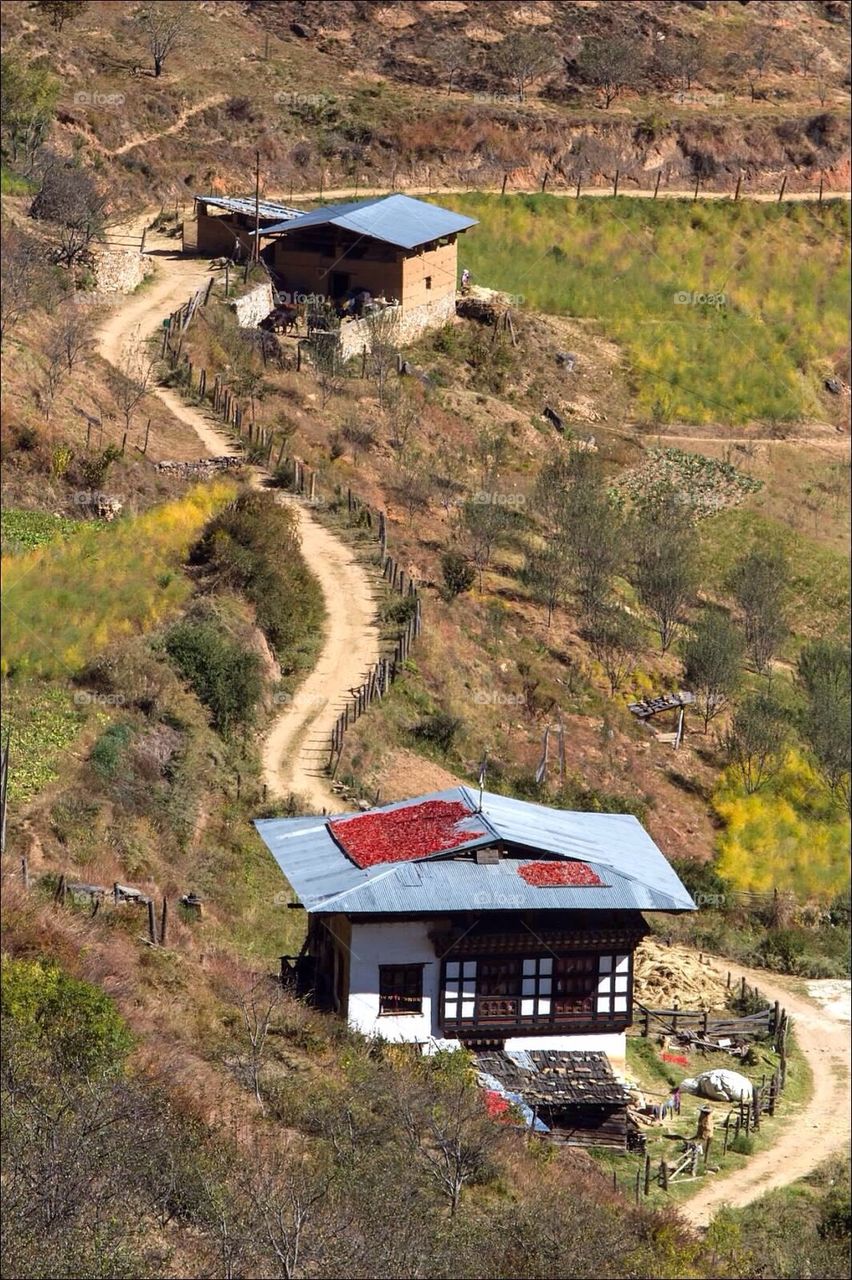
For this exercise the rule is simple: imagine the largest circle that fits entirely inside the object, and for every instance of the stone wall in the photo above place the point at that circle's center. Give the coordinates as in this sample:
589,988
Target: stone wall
355,335
120,270
203,467
253,306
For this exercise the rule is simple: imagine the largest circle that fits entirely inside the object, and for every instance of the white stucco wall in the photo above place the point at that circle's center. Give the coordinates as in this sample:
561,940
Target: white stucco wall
375,944
408,943
613,1044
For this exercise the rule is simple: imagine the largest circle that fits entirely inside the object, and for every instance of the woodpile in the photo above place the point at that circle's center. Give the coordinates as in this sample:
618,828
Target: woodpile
667,976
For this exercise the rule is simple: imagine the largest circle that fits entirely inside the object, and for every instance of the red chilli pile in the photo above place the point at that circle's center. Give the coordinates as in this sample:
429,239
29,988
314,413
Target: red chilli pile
552,875
403,835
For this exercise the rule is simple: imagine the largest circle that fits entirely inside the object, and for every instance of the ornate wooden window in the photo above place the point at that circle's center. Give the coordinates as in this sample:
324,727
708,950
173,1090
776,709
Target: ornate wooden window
459,989
613,991
400,988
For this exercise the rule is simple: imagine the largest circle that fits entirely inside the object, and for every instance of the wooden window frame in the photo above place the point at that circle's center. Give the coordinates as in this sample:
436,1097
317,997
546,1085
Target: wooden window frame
414,971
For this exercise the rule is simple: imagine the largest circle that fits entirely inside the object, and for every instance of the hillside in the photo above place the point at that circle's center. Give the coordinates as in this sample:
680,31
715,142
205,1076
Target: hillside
418,95
620,470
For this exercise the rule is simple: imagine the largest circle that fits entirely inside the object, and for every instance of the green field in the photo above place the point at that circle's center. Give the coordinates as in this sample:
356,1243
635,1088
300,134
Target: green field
641,268
63,602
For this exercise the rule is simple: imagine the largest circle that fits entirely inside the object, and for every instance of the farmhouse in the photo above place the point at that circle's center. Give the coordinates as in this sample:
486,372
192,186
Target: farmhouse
393,247
478,920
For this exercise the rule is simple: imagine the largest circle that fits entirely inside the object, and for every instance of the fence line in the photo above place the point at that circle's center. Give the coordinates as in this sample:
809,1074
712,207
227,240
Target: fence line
304,481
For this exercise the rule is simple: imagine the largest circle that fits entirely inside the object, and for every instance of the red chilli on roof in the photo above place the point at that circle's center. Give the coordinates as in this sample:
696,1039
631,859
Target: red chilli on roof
552,875
403,835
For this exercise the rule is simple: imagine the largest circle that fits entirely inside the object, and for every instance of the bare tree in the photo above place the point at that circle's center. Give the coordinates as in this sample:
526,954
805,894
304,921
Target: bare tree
70,200
712,661
383,347
665,573
130,380
756,740
615,639
258,1004
611,64
548,572
291,1199
74,334
401,414
412,486
61,11
448,1132
452,56
484,522
20,268
166,26
523,57
759,583
53,373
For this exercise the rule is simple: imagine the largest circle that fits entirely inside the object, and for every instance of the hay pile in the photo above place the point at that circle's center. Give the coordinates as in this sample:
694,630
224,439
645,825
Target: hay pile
664,976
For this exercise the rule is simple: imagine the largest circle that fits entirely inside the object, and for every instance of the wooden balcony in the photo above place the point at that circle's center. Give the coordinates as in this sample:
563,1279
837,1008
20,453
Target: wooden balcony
516,1016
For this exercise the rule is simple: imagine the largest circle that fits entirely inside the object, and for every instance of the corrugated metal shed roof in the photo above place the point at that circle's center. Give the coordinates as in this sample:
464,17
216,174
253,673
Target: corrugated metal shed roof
398,220
635,873
268,210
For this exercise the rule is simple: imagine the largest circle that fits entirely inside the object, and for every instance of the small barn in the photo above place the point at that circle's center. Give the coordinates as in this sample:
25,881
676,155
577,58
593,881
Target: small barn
223,226
573,1096
393,248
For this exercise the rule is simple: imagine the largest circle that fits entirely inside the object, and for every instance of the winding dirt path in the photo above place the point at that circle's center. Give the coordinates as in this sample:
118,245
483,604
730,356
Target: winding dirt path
296,745
817,1130
140,140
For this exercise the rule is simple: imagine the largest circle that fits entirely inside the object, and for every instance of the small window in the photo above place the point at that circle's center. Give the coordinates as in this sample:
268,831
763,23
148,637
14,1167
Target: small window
428,282
400,988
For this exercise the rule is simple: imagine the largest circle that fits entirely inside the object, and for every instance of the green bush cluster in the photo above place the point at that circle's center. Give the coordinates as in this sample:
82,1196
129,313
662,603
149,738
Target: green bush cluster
227,679
253,547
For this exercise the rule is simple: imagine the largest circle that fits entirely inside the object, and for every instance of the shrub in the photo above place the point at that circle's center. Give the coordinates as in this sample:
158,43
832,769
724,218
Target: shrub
439,730
77,1023
458,574
253,548
400,611
226,678
108,750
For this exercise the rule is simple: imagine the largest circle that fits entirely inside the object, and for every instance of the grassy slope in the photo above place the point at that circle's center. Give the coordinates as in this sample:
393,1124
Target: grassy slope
636,267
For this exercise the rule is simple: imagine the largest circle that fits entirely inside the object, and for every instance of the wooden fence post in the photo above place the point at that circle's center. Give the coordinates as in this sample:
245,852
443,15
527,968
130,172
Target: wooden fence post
647,1174
697,185
615,184
819,197
25,873
579,180
783,188
164,922
657,183
664,1175
152,923
739,184
505,180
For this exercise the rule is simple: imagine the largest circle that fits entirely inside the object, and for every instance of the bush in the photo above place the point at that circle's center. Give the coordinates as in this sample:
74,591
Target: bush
227,679
75,1022
253,548
458,574
439,730
109,749
401,611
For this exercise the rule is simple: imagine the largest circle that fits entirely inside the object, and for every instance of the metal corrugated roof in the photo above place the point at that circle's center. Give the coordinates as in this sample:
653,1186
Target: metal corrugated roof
397,220
267,209
635,873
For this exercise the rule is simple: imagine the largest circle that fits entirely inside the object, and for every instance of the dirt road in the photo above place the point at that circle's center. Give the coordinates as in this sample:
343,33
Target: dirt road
569,193
296,745
820,1128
